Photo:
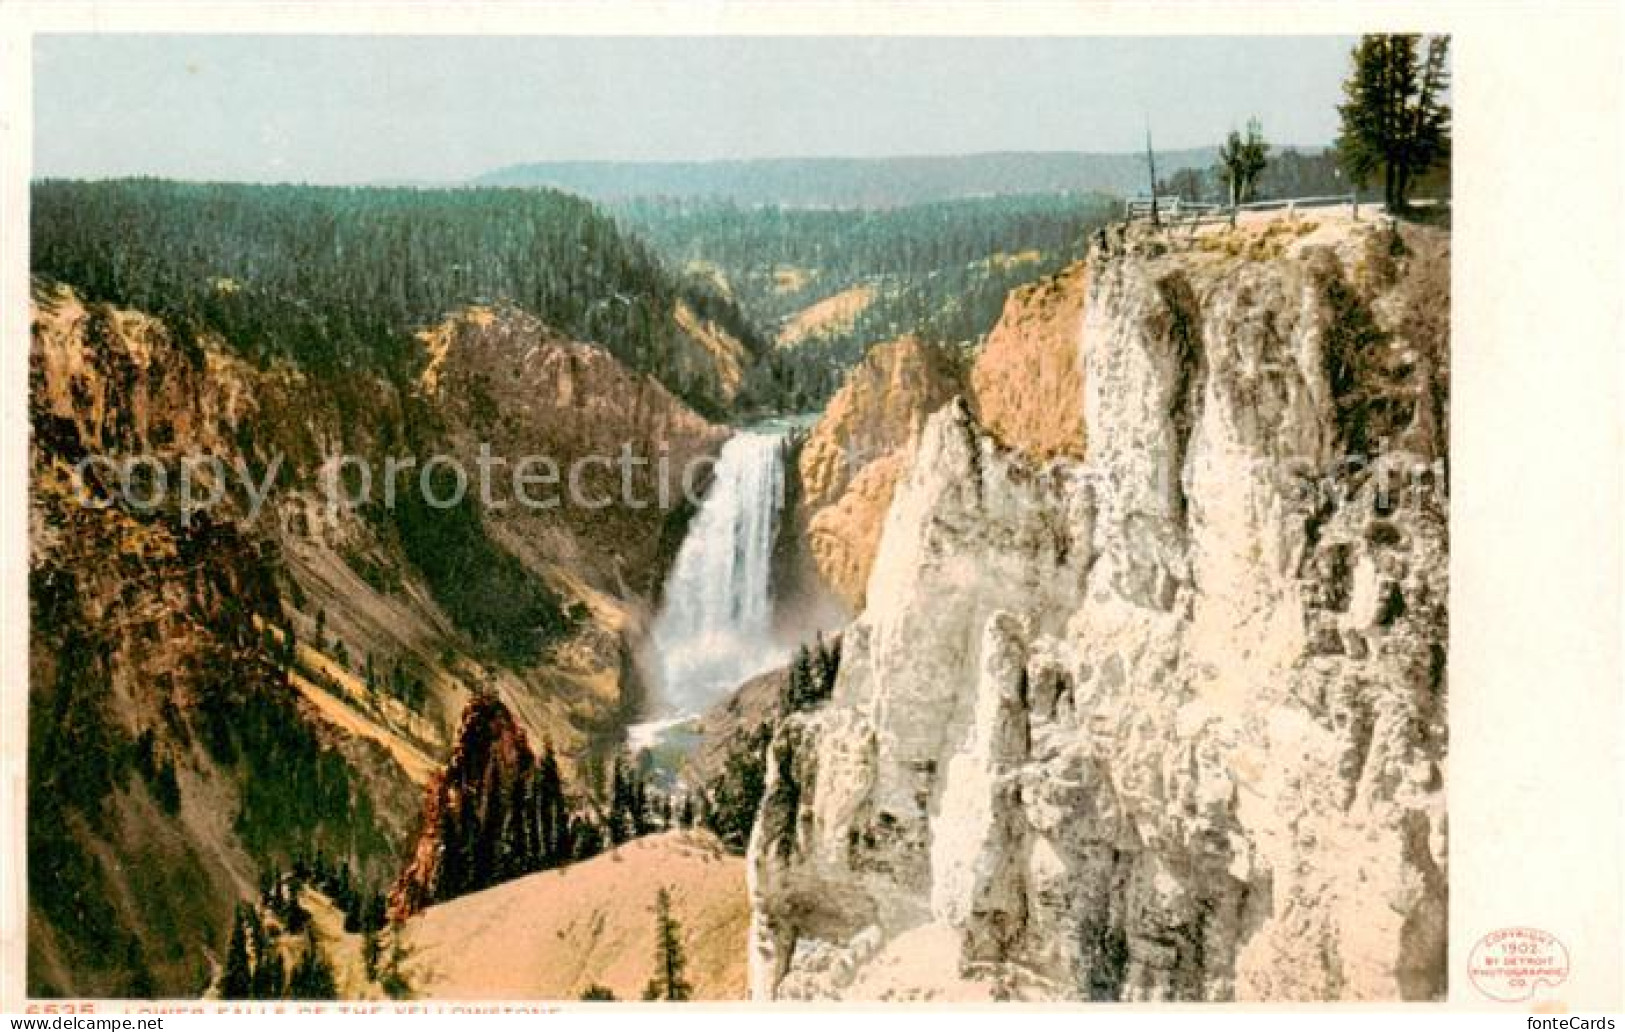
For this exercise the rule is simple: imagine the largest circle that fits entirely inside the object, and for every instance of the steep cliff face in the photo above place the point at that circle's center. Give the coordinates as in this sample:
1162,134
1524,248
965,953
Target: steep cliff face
1027,385
851,461
502,378
715,357
160,701
1166,723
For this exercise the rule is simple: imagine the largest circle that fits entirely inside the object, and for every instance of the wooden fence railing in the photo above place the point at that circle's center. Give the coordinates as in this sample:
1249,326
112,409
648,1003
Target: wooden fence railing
1179,212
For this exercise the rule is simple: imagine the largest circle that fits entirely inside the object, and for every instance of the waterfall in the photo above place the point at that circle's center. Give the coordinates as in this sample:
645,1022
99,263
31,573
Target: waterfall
715,628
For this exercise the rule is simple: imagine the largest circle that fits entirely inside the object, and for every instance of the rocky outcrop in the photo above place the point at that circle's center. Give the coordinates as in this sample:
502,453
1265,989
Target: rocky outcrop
491,815
1167,723
721,358
850,462
735,723
1027,384
827,317
1026,387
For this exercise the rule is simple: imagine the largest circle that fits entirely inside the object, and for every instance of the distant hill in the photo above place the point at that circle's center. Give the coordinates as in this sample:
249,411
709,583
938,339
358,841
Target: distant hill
853,182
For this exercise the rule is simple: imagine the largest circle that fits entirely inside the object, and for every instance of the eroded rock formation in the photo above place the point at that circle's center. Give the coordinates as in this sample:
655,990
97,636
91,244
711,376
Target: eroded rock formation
494,813
1167,723
1027,384
853,458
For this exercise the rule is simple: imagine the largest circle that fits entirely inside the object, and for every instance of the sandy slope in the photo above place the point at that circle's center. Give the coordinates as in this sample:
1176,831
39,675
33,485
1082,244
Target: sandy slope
831,315
550,935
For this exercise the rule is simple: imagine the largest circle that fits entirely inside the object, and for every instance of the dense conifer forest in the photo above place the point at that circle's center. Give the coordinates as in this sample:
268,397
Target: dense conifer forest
941,270
340,278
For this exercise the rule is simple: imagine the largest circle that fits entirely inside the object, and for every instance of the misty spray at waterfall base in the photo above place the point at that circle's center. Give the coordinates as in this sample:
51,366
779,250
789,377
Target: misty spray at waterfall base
715,628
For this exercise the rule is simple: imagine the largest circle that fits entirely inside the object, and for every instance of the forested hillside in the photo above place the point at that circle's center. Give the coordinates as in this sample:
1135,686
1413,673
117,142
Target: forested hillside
940,270
338,278
214,695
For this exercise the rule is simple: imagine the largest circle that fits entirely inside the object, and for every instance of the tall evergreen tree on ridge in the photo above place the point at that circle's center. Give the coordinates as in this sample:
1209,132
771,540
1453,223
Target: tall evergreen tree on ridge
1393,119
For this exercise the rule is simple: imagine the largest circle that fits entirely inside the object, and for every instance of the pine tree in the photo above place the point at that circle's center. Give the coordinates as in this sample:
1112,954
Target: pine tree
139,984
294,915
617,796
515,830
586,838
668,982
827,665
1393,120
392,974
823,664
312,977
373,918
812,675
798,691
640,804
596,992
237,981
166,788
625,811
1241,160
552,817
371,950
270,976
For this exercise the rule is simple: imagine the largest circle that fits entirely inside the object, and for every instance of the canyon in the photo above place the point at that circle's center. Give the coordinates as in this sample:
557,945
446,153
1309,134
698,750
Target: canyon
203,651
1126,631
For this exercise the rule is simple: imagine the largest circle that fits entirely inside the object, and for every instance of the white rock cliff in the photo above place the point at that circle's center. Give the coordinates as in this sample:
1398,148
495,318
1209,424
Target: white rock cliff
1167,723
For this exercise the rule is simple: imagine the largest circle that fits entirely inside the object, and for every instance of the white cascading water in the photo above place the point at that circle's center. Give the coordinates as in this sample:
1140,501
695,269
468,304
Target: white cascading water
715,627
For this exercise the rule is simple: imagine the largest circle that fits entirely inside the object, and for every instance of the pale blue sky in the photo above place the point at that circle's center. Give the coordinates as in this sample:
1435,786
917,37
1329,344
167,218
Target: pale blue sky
330,109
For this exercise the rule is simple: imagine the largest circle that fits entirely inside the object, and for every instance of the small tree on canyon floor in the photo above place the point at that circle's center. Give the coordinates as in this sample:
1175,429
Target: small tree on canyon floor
312,977
237,980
